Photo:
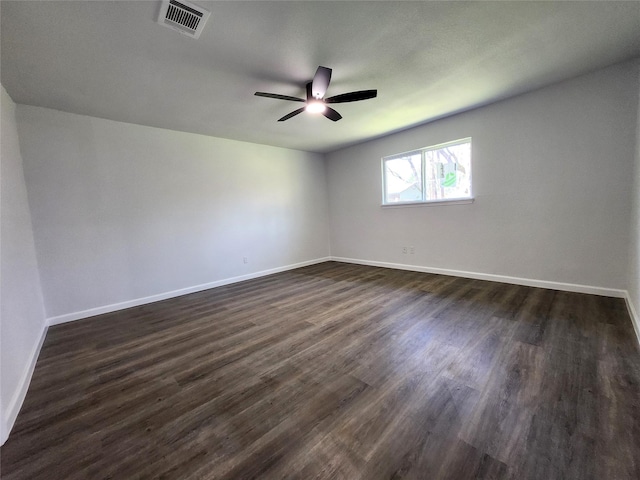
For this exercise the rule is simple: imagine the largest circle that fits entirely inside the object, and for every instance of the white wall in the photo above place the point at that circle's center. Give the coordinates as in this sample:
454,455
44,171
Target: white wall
551,176
634,250
124,212
22,324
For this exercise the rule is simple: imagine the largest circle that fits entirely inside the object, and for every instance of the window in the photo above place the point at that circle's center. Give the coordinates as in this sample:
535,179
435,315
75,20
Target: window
439,173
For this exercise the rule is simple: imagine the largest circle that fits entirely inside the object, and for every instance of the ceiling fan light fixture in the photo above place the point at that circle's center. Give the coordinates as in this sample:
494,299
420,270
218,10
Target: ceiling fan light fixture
315,107
315,101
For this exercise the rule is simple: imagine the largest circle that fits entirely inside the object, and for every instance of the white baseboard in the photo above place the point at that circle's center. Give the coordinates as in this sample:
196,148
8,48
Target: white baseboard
635,320
70,317
569,287
18,397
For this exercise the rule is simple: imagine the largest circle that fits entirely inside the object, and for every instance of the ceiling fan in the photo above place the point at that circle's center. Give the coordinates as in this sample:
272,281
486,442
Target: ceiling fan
315,101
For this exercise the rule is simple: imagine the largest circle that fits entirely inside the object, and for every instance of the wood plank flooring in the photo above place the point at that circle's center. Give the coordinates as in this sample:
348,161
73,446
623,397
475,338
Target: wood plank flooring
338,371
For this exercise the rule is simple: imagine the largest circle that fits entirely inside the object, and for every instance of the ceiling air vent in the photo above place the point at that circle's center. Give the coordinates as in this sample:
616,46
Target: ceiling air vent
184,17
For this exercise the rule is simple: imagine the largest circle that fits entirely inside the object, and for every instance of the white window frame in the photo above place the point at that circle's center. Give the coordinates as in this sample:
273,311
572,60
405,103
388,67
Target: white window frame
423,201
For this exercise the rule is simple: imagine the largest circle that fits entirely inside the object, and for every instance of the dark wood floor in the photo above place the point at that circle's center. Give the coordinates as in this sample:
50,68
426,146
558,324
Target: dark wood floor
339,371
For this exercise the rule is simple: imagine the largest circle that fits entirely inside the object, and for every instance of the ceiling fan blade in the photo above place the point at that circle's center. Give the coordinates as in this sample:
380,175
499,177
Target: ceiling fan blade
292,114
321,82
352,96
331,114
279,97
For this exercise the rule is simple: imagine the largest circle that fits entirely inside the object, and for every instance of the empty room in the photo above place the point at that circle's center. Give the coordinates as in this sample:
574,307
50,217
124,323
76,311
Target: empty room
320,240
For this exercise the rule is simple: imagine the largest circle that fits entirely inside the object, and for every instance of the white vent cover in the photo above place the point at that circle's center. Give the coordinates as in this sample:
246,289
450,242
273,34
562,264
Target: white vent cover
185,17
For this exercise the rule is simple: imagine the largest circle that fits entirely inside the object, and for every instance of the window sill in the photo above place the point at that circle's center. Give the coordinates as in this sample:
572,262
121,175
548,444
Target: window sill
435,203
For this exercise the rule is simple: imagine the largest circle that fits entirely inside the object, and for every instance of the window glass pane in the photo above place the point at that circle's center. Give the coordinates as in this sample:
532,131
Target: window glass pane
403,178
432,174
448,172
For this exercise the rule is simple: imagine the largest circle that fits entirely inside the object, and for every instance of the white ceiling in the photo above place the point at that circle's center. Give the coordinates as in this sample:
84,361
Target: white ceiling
427,60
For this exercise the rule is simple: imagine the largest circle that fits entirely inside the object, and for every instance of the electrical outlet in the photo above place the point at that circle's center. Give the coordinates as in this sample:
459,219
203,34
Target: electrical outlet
245,259
412,250
404,250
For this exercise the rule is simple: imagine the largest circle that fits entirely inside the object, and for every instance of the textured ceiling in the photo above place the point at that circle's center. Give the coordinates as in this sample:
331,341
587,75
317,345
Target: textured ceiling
427,60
